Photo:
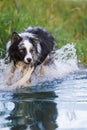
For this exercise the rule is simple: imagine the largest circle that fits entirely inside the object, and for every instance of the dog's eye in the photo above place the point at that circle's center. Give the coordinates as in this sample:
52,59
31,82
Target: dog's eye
22,50
31,50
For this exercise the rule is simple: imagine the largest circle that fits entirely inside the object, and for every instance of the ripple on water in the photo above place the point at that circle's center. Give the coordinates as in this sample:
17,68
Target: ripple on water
59,103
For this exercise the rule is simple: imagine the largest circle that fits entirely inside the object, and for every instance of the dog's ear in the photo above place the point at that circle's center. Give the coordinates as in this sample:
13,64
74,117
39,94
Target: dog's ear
15,38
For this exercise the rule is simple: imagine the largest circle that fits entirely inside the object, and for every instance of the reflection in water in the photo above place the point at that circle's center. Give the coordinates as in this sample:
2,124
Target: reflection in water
30,114
40,108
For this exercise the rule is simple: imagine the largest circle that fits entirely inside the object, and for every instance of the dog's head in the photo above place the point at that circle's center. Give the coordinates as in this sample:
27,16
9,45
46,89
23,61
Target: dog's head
24,47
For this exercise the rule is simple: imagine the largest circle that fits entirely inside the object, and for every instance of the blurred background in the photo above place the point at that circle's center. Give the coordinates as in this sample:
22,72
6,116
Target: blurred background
66,20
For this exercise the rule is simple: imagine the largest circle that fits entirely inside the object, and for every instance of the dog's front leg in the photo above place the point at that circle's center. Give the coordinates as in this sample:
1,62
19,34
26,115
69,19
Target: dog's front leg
24,79
11,74
42,70
12,71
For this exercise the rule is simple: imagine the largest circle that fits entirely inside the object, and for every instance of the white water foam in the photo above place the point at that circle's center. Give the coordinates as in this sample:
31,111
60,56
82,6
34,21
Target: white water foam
65,62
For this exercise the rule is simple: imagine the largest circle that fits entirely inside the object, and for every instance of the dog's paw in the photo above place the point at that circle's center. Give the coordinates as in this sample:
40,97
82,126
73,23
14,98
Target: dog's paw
24,81
20,85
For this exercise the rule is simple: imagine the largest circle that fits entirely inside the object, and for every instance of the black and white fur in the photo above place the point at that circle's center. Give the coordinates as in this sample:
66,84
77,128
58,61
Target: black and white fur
31,48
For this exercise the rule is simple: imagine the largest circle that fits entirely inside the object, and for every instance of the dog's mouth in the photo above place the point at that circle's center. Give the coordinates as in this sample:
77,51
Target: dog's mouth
29,64
28,61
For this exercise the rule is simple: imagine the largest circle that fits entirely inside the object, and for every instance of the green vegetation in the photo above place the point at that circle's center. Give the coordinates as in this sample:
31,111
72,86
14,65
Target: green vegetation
65,19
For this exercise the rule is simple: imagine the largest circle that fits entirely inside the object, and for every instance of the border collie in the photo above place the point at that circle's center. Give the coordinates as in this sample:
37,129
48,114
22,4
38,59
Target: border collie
29,49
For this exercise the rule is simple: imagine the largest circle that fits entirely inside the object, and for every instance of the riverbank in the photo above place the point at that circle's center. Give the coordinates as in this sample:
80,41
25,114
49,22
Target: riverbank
66,20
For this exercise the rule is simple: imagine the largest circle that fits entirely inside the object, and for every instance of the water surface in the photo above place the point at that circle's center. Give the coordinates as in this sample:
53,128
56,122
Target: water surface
55,103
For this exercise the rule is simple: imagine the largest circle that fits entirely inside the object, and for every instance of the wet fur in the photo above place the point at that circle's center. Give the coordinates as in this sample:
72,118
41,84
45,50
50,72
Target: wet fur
43,47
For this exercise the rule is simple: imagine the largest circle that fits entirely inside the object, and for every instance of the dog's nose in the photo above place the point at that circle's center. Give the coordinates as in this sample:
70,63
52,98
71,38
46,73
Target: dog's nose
29,60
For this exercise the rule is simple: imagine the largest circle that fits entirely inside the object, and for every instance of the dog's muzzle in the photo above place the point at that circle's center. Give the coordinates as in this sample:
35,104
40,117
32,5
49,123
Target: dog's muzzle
28,60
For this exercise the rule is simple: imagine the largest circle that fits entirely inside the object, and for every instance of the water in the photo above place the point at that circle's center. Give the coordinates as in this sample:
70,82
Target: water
54,104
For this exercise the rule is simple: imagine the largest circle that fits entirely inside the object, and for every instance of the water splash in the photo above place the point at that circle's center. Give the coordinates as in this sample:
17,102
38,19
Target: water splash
65,62
66,54
66,59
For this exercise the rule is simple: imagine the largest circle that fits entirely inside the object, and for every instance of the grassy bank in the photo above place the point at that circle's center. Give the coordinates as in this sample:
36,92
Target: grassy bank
65,19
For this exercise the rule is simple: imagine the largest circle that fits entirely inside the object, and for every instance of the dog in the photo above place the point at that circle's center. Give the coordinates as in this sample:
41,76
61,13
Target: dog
35,46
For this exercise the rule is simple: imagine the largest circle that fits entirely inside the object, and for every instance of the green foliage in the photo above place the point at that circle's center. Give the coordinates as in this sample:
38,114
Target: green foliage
65,19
